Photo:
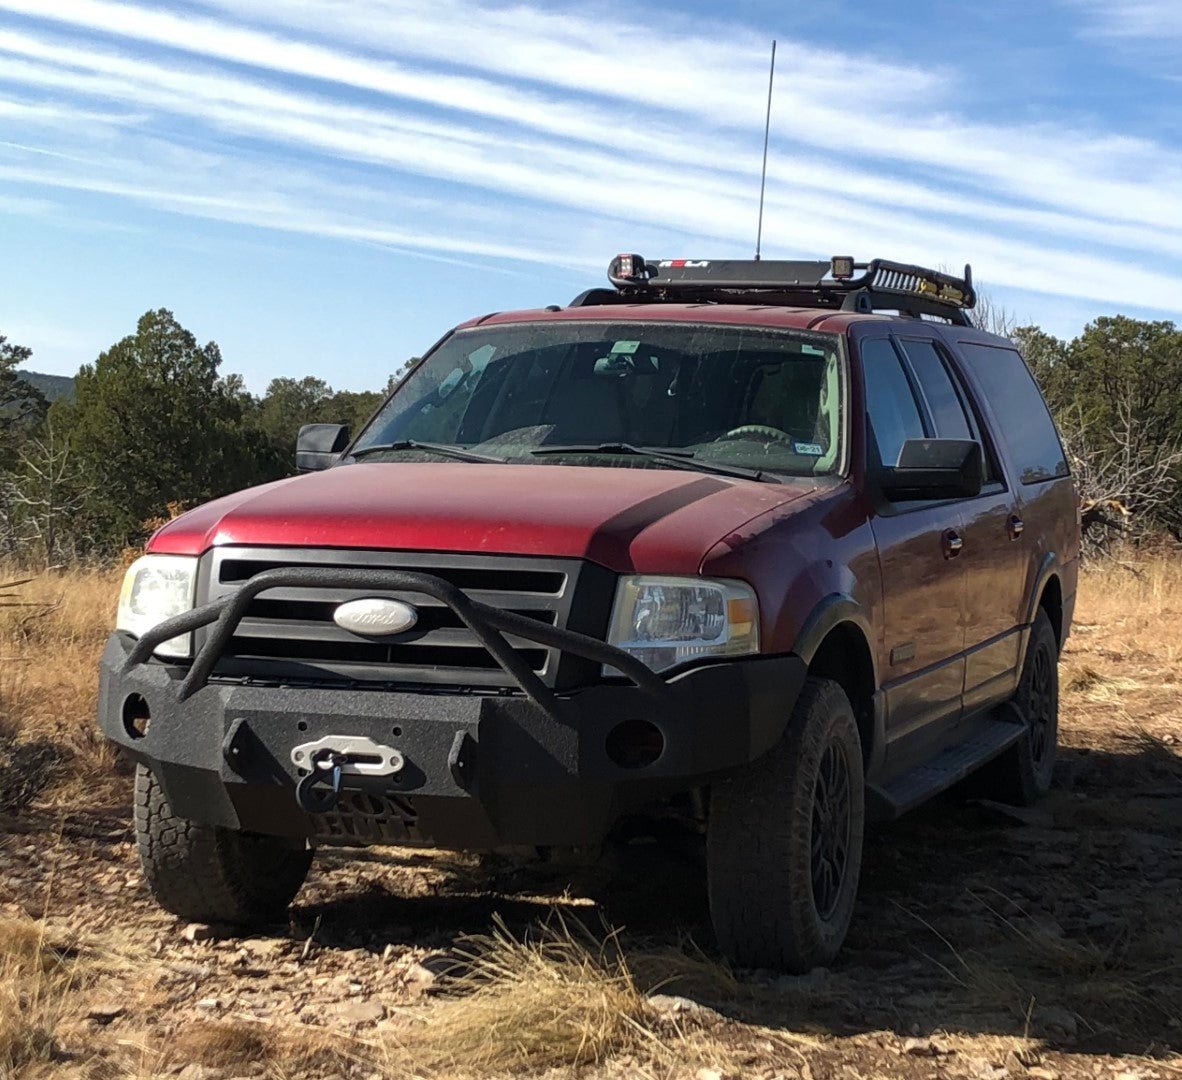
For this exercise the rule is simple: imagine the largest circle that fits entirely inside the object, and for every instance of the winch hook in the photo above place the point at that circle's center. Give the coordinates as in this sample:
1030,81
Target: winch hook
318,793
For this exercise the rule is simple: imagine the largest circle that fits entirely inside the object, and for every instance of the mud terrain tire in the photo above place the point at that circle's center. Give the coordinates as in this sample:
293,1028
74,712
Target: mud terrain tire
213,875
778,830
1022,775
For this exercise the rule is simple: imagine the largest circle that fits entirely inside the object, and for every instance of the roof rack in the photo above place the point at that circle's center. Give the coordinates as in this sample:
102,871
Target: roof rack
841,284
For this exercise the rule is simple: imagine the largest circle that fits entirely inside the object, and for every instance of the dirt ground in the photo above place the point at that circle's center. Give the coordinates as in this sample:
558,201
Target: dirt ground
986,945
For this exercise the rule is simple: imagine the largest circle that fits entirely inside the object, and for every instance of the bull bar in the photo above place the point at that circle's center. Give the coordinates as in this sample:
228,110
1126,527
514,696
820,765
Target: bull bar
488,625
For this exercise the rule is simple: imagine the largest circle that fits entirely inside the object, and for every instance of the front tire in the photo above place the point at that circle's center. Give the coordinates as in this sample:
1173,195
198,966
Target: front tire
784,840
208,874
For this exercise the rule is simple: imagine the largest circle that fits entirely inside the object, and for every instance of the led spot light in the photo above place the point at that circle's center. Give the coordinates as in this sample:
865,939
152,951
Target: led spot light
841,267
628,269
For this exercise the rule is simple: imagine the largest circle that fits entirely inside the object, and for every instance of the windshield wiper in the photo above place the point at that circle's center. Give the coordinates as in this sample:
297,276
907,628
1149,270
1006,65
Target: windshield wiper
457,452
680,459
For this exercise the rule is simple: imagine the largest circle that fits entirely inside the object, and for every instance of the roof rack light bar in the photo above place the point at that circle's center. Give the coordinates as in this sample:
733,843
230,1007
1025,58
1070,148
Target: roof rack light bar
882,284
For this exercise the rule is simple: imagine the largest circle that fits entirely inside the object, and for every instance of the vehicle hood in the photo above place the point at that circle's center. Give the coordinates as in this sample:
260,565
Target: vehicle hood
648,520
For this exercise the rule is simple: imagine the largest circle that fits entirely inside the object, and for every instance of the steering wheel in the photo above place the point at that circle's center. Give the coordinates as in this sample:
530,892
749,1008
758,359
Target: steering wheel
760,431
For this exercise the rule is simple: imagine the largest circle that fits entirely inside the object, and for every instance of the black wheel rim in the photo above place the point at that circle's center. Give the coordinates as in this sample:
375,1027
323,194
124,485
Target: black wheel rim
1041,706
831,830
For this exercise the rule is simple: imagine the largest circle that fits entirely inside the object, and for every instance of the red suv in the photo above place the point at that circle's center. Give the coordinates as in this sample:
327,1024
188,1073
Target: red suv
725,543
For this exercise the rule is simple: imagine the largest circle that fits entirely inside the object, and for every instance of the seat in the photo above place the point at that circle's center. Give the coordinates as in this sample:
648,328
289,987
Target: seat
587,410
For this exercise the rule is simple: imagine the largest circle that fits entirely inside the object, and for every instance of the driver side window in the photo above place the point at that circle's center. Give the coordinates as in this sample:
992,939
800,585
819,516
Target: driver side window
443,404
892,411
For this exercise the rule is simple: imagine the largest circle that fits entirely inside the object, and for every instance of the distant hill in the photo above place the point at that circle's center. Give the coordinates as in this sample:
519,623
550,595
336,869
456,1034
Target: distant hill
52,386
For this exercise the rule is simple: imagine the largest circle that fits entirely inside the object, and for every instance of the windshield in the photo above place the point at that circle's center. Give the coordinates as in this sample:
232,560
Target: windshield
718,395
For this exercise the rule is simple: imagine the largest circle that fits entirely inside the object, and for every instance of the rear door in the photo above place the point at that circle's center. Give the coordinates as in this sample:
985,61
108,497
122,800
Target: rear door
1044,491
992,558
921,652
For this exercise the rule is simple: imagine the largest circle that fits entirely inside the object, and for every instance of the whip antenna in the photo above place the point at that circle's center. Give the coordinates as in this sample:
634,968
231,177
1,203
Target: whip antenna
767,131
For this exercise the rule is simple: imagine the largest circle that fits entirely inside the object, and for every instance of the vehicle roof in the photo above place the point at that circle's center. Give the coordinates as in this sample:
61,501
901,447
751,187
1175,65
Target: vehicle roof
774,317
764,315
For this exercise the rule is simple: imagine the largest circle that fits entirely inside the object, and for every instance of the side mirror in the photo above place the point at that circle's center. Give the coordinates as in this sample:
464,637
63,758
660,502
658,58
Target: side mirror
319,445
936,469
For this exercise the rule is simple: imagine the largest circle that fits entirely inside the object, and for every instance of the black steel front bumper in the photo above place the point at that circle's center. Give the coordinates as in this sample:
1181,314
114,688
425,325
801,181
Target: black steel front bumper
481,769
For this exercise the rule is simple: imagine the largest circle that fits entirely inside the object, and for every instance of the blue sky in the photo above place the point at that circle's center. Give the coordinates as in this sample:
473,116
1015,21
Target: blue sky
324,186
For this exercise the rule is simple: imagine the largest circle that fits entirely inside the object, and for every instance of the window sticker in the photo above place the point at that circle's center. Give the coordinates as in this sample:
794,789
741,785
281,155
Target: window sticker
625,347
809,449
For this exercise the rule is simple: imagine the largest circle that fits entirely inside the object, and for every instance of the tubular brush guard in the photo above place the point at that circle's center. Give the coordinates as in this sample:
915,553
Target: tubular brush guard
488,624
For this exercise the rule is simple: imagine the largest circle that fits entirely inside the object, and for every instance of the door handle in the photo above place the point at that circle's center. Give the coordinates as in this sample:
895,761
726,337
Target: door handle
1016,526
952,543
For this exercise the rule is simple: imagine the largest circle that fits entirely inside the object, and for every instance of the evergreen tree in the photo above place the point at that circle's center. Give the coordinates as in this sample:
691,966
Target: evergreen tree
22,406
154,424
291,403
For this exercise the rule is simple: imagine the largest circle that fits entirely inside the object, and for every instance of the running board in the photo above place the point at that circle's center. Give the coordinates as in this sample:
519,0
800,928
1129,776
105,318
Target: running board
989,738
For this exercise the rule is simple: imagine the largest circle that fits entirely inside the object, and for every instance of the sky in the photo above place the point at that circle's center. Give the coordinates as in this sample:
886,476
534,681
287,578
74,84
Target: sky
324,187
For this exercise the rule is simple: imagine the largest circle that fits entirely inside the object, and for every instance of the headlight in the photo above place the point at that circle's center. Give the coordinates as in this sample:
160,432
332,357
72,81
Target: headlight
155,588
665,621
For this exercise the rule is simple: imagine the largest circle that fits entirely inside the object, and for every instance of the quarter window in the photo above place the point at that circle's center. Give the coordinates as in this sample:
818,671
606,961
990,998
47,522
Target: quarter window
1025,424
890,402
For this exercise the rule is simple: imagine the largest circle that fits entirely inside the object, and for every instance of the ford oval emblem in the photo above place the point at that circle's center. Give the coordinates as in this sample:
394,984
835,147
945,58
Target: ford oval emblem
375,617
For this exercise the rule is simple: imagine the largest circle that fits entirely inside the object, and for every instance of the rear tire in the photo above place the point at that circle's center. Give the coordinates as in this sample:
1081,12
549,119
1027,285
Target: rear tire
784,840
208,874
1022,775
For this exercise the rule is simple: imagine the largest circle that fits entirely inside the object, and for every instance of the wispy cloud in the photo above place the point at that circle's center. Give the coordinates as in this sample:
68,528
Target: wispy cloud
37,336
565,135
15,204
1156,21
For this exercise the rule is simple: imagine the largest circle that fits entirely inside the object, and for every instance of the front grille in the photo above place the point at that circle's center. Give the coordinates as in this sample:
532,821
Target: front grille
288,634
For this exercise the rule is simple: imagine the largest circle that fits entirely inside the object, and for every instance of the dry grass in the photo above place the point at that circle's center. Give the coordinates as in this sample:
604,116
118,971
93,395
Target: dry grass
52,630
1136,604
561,997
1124,659
282,1051
37,978
557,998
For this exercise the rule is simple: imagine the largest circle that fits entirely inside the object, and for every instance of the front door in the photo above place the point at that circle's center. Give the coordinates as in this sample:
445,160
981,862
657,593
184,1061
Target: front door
922,661
921,654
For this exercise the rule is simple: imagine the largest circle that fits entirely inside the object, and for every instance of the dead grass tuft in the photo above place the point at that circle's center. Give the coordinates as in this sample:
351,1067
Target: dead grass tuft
1046,952
684,970
1157,754
239,1044
1034,967
562,997
555,998
36,980
224,1045
1082,679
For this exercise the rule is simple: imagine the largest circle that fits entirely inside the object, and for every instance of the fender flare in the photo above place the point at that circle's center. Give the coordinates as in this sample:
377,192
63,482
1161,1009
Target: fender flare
829,612
1047,569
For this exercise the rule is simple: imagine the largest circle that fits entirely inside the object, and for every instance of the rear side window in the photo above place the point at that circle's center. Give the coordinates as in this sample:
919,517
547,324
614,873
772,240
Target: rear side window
890,401
944,402
1025,424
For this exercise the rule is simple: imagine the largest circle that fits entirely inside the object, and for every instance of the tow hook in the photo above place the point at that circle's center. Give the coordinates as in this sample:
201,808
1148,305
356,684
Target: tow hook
330,760
320,791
